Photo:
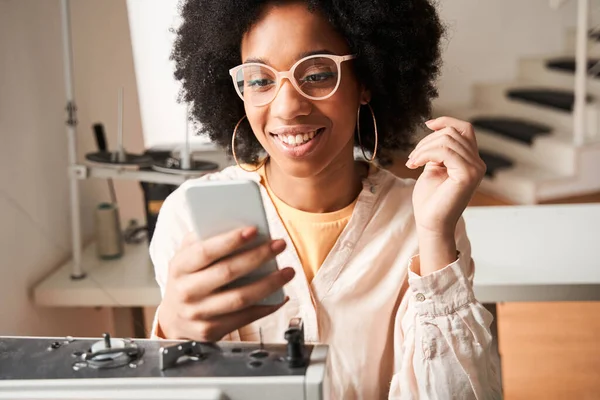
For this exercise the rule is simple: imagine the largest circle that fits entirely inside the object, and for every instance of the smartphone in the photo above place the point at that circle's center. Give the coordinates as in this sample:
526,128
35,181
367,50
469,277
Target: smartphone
221,206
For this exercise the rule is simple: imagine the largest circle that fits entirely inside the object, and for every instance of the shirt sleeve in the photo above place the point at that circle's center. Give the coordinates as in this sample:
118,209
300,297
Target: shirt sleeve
443,343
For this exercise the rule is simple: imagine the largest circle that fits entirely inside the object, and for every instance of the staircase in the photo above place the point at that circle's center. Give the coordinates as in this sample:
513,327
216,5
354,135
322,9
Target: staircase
525,129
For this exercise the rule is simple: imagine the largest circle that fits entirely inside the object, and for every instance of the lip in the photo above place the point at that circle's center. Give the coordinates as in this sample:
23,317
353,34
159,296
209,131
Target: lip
302,150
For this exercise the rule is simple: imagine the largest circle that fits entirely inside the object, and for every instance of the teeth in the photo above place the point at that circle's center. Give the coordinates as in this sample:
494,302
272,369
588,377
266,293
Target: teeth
298,138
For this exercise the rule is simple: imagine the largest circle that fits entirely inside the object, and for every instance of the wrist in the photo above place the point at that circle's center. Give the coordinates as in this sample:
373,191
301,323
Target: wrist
435,239
441,233
160,326
436,252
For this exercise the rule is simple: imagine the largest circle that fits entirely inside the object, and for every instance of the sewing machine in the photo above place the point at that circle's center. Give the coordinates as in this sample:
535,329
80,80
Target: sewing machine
111,368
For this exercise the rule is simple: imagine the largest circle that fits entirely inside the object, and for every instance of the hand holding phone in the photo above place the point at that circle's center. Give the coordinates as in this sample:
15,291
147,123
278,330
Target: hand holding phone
195,307
224,276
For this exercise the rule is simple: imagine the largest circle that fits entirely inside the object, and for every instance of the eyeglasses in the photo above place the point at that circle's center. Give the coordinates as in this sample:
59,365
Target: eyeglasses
315,77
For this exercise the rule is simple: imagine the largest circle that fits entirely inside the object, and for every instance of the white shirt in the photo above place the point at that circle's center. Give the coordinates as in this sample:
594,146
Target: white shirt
392,334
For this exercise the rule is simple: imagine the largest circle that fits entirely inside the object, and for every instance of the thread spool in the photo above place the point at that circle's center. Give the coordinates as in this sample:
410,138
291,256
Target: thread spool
109,237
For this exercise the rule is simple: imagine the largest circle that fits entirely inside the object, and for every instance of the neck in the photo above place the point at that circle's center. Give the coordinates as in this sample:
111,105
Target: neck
332,189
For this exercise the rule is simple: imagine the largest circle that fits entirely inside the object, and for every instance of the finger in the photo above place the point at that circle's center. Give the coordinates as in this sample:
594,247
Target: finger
189,239
239,319
212,331
463,127
458,167
201,283
233,300
450,132
442,142
200,254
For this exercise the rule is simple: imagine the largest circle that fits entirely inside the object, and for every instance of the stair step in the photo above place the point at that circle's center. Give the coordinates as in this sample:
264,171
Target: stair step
520,183
492,99
552,98
567,64
536,71
553,152
494,162
514,128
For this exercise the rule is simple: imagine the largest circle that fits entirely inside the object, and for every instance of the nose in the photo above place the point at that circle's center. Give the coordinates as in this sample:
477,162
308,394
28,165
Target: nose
288,103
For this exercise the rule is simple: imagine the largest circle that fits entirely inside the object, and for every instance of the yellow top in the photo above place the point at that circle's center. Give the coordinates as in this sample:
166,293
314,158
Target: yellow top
313,234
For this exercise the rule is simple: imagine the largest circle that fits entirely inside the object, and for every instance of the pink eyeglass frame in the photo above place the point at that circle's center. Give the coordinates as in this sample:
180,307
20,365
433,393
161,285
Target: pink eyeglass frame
289,75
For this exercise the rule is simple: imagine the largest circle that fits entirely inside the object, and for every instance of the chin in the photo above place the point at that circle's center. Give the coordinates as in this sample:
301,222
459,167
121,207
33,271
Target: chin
300,168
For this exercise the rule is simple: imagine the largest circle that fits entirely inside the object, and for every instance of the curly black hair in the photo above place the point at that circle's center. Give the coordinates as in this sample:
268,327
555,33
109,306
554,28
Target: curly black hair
398,48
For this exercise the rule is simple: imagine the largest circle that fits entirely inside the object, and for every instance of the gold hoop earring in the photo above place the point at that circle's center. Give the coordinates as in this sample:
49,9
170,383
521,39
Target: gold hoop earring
359,139
233,150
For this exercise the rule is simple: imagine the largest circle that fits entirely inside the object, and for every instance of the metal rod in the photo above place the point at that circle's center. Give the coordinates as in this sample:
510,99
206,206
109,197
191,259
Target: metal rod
107,343
112,191
185,153
77,271
581,72
120,149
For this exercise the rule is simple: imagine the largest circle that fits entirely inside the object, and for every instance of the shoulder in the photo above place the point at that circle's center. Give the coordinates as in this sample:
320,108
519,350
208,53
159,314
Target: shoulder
177,198
391,199
392,188
230,173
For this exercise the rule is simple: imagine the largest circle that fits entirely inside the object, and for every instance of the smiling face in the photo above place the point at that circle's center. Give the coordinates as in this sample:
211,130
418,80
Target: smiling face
302,136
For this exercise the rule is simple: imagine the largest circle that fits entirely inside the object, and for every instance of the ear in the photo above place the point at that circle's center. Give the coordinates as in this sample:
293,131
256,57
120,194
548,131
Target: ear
365,96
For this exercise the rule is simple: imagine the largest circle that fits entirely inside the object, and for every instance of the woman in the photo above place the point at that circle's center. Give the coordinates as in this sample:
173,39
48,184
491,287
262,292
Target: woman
377,267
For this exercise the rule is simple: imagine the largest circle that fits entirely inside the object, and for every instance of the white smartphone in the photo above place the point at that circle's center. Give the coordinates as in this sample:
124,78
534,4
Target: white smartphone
221,206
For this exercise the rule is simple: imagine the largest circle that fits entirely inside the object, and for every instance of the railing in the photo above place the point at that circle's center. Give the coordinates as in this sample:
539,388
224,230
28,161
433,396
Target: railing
581,71
581,68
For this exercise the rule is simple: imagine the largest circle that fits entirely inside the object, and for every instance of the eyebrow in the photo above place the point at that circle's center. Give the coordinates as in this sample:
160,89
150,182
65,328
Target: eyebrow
260,60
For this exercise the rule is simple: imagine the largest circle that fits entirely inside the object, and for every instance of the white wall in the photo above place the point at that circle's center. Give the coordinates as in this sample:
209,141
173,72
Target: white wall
150,24
34,222
487,37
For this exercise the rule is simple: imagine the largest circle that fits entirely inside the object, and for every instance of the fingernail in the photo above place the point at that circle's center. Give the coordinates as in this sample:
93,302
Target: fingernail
249,232
277,245
288,273
430,121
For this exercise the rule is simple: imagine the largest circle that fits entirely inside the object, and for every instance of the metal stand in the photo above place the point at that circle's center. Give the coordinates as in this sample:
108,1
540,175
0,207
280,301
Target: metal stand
71,123
185,153
185,165
117,165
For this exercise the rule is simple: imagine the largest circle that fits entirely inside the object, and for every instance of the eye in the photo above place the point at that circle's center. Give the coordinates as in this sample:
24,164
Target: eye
320,77
260,82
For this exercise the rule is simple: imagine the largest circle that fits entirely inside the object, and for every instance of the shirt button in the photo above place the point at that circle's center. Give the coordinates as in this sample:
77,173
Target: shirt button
420,297
372,189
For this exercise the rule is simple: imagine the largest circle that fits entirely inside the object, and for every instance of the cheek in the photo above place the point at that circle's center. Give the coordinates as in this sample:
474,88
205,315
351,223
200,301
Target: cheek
257,117
344,122
342,112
